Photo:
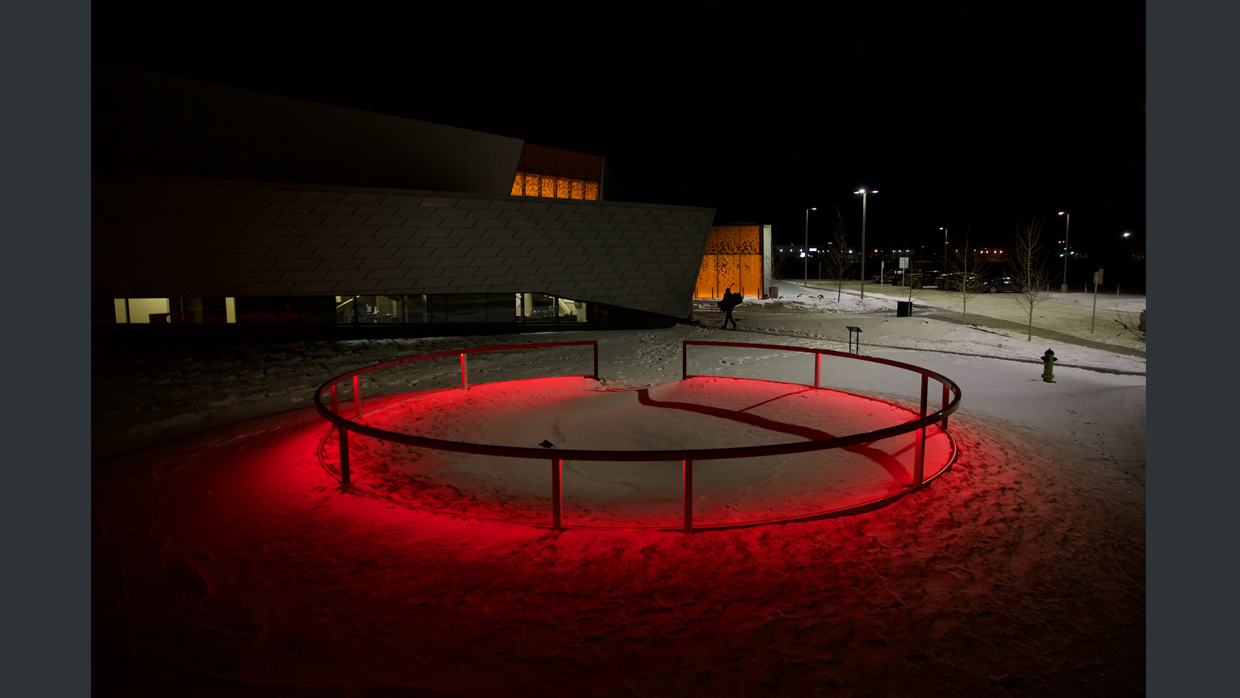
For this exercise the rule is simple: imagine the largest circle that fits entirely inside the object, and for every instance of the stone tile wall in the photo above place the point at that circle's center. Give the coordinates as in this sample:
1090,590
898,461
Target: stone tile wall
173,237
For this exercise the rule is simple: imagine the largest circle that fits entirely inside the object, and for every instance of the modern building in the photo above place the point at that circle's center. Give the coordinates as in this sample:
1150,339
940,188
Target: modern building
225,213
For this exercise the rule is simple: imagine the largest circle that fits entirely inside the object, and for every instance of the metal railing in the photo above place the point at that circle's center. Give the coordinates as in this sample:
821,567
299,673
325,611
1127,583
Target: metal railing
687,457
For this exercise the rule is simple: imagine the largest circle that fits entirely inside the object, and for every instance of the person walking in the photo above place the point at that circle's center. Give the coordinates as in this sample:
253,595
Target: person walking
730,301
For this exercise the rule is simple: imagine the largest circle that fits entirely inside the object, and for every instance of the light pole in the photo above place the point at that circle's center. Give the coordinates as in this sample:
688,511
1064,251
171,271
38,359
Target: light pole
805,250
944,249
863,194
1067,222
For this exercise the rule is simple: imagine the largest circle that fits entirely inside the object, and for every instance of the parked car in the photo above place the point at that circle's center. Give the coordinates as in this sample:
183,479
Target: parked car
1001,284
891,276
943,280
974,283
922,278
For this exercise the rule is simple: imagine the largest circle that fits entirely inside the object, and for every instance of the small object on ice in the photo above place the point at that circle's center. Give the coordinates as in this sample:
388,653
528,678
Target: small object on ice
546,444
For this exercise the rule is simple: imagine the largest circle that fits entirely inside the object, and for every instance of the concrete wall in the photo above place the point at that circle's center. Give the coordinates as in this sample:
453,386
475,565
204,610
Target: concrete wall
147,123
171,237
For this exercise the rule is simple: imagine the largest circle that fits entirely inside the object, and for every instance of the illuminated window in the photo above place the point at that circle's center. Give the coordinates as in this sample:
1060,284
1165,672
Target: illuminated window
549,187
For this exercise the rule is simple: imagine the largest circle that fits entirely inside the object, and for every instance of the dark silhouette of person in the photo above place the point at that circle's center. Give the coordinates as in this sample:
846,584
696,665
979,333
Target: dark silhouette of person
730,301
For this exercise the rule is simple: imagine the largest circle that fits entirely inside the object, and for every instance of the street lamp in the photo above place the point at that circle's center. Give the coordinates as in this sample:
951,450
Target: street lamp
806,248
1063,288
863,194
944,249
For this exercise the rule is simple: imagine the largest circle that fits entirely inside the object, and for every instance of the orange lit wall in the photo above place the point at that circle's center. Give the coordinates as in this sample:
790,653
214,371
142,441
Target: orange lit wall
733,257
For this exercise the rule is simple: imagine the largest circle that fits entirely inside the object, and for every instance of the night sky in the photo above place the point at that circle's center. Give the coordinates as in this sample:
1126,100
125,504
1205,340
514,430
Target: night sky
970,116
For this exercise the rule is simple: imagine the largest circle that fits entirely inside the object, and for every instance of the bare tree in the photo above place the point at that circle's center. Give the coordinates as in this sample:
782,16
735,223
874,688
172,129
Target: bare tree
837,254
968,266
1129,323
1029,269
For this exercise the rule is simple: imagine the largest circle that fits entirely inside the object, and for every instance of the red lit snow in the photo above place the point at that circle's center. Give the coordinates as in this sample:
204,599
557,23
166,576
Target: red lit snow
577,413
232,565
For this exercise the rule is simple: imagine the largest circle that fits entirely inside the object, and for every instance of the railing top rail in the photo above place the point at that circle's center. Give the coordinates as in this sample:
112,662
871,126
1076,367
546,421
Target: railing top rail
454,352
635,455
811,350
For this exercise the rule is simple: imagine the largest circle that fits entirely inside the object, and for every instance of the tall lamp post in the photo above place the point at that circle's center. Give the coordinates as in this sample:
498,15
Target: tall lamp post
1067,222
863,194
944,249
805,250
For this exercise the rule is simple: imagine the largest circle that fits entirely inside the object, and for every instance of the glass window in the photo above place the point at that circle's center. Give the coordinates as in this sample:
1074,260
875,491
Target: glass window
379,310
501,308
538,307
148,310
260,309
570,310
467,307
438,305
417,309
291,309
344,309
319,308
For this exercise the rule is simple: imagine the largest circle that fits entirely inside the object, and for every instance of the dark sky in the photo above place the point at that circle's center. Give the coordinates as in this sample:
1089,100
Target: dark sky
970,116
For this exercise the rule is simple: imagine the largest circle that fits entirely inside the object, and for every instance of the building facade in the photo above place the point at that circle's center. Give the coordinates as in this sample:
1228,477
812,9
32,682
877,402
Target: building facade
203,224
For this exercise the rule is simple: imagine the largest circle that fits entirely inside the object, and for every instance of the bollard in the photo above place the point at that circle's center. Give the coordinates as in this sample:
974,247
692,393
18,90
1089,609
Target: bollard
557,494
1048,366
687,493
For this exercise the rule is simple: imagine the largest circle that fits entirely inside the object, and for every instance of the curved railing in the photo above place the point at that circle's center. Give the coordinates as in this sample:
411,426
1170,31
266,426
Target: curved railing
687,456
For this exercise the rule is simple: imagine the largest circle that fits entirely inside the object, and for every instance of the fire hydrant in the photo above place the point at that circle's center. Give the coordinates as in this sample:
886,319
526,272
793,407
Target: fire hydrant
1048,366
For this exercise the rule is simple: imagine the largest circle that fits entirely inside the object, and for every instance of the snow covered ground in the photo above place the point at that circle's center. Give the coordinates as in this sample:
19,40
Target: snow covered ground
227,562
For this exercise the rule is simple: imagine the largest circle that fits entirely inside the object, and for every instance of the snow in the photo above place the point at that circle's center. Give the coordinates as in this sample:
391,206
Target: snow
227,561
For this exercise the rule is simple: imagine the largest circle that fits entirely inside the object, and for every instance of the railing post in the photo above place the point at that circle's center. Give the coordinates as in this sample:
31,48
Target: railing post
946,400
464,373
557,491
596,360
687,491
335,406
817,368
344,456
357,397
919,453
684,360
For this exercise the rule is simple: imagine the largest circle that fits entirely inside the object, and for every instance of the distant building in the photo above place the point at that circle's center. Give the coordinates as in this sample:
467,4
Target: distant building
222,212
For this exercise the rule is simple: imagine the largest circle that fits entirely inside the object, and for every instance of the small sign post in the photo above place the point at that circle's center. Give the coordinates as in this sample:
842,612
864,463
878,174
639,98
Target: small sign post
904,270
1092,317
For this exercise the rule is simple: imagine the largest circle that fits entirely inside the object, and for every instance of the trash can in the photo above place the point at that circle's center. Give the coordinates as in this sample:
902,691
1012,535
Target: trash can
904,308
